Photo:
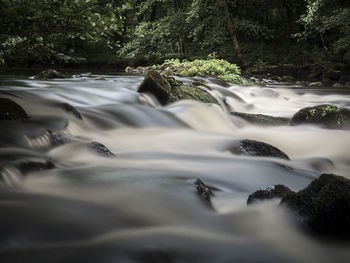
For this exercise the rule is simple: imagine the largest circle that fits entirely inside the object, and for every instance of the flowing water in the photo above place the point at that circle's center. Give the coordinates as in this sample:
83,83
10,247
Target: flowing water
141,205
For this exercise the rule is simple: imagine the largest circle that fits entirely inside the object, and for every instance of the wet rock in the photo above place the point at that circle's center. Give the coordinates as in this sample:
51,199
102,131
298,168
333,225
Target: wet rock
58,139
261,119
324,206
315,84
100,149
204,191
167,89
33,166
71,110
100,78
50,74
157,85
326,115
86,75
10,110
277,191
256,148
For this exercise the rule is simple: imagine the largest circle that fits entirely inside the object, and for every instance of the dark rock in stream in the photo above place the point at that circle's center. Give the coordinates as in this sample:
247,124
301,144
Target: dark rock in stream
50,74
71,110
101,149
58,139
10,110
261,119
326,115
323,207
277,191
203,191
256,148
167,90
32,166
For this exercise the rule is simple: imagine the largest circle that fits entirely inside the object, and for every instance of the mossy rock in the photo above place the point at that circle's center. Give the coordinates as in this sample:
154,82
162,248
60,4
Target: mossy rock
277,191
50,74
10,110
326,115
261,119
315,84
324,206
157,85
129,69
256,148
167,89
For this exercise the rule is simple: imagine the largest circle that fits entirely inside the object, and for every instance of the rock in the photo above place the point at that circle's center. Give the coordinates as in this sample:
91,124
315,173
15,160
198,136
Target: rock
157,85
58,139
324,206
337,85
256,148
10,110
204,191
327,115
34,166
167,89
315,84
86,75
277,191
100,78
101,149
129,69
261,119
71,110
50,74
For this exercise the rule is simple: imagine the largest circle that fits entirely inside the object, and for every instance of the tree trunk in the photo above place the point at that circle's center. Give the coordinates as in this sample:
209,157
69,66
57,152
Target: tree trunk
231,30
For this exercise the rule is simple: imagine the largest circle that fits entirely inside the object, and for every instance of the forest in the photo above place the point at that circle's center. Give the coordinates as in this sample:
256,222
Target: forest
118,33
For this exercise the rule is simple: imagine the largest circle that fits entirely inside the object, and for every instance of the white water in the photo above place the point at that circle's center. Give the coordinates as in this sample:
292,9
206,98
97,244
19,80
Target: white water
141,205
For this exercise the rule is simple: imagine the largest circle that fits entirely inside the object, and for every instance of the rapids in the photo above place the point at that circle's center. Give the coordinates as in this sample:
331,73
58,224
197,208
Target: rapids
141,205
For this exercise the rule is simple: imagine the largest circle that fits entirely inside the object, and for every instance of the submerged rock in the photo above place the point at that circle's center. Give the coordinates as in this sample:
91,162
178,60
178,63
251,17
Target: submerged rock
167,89
277,191
256,148
71,110
327,115
10,110
50,74
58,139
100,149
324,206
261,119
33,166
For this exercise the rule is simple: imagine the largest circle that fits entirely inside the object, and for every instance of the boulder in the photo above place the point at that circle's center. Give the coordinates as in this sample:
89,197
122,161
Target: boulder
50,74
323,207
166,89
10,110
326,115
277,191
256,148
261,119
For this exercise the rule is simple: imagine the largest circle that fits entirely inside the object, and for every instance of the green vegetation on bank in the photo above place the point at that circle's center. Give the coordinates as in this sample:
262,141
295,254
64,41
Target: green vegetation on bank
212,67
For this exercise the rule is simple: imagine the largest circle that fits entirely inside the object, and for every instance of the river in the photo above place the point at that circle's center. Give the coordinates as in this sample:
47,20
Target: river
141,205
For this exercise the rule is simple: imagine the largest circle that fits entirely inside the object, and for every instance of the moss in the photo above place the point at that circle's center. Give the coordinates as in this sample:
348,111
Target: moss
188,92
129,69
327,115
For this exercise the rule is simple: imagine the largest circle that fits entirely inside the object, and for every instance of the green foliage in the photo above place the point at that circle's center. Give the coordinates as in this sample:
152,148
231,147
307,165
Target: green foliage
54,31
213,67
328,23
